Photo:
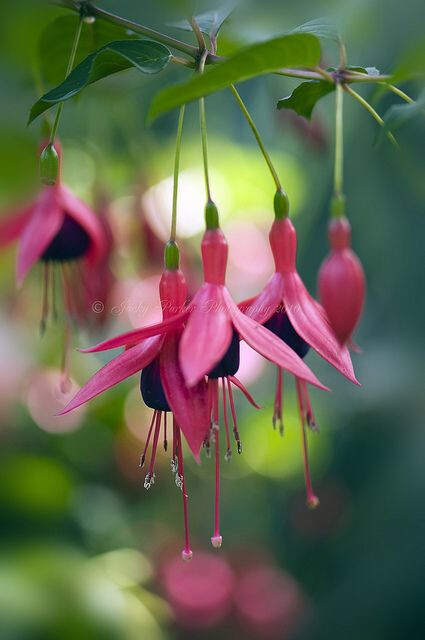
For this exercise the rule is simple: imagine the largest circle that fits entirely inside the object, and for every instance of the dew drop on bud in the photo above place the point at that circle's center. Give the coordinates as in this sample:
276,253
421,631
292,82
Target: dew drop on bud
89,19
313,502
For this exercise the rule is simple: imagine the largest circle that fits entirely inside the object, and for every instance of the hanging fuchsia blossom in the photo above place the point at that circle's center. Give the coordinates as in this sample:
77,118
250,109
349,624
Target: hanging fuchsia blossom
60,231
342,282
161,384
210,345
286,308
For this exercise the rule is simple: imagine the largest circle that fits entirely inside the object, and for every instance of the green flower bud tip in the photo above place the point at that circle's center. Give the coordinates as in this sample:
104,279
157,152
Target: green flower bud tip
281,204
49,165
211,215
171,256
338,206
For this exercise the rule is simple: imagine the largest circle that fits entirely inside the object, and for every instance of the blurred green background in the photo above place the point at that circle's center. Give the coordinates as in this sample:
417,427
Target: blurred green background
86,552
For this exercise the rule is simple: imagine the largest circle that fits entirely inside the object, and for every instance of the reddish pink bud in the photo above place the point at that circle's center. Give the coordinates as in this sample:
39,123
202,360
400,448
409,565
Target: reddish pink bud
342,282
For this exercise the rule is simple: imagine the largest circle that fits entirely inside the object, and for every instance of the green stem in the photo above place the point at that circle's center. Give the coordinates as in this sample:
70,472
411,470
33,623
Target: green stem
339,145
203,124
400,93
68,71
173,232
257,137
198,34
133,26
372,112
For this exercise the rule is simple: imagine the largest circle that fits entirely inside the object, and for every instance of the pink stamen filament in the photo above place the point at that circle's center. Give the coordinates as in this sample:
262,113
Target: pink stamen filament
187,552
150,475
278,400
143,456
234,419
311,420
226,421
216,539
312,500
165,432
45,304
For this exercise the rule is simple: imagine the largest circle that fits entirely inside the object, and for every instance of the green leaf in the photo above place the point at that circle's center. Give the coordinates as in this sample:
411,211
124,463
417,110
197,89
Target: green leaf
400,114
370,71
304,98
295,50
56,43
145,55
210,22
412,64
320,27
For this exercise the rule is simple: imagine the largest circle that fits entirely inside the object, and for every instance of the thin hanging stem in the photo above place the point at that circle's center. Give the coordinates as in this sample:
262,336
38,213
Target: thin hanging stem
372,112
257,137
198,33
203,124
339,143
173,232
400,93
68,71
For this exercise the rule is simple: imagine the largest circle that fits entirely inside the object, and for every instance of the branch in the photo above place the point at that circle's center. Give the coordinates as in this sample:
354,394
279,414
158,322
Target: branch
188,49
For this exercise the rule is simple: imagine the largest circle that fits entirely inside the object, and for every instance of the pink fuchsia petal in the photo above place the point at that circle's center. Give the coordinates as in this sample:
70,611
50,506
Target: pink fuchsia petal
309,321
118,369
265,304
189,406
131,338
44,223
85,217
207,335
245,391
13,225
269,345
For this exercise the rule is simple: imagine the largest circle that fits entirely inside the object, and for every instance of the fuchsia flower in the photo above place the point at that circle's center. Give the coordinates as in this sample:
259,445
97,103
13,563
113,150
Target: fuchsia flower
287,309
342,282
58,230
210,346
153,352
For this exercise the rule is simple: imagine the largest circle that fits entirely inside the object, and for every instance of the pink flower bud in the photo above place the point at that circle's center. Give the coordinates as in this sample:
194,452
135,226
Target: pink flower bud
342,282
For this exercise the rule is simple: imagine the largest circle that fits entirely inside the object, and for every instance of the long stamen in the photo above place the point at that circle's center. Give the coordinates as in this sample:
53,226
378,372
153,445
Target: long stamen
187,552
143,456
216,539
65,383
45,304
207,441
174,464
277,414
312,499
228,453
150,476
235,422
165,444
54,305
311,420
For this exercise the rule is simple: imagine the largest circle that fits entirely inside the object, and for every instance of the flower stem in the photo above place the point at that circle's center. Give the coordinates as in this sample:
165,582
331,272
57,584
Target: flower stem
257,137
400,93
68,71
338,203
203,124
173,232
372,112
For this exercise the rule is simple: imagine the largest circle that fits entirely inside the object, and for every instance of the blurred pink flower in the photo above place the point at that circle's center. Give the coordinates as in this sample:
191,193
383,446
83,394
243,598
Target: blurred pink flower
200,593
268,602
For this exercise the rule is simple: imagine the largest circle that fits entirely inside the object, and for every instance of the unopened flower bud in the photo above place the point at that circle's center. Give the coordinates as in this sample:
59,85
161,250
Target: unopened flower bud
211,215
171,256
342,282
49,165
